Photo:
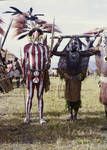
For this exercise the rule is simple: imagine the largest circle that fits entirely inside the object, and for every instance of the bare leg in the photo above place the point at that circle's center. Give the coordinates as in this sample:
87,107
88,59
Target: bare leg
105,106
71,114
70,110
77,105
75,113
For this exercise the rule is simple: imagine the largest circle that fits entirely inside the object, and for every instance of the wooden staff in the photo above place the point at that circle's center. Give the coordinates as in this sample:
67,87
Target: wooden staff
73,36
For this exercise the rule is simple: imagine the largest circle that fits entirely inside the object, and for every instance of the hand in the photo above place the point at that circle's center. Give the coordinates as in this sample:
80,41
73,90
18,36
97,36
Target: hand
57,44
96,48
47,66
97,51
60,39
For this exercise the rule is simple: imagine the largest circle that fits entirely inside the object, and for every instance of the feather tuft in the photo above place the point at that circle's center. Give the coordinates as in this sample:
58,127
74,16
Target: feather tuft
1,31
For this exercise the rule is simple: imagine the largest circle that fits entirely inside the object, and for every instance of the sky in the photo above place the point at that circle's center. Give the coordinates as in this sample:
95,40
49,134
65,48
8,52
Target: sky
71,16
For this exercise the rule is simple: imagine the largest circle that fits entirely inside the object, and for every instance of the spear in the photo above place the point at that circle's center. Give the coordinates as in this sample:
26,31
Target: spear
73,36
52,37
6,34
23,84
0,45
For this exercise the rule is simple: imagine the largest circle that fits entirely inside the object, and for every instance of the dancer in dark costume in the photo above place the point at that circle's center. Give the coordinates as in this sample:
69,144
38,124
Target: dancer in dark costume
74,72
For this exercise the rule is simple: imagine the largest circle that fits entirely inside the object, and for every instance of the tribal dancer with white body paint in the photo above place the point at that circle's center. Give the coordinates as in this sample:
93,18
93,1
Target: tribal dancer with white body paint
35,64
36,55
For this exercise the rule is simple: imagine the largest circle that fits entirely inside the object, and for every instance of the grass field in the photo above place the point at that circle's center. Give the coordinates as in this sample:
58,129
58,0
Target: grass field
57,134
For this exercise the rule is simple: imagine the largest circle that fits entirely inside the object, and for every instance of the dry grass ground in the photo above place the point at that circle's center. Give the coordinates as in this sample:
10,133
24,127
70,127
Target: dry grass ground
57,134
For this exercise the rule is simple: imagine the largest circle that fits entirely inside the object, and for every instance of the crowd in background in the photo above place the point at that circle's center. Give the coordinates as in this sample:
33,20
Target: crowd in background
12,69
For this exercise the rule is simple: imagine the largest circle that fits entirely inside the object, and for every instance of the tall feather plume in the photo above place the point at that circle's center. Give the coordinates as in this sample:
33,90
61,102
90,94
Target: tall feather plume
19,24
24,22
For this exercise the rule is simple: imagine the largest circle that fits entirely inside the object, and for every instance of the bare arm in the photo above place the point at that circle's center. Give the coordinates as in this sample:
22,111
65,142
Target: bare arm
58,53
99,41
90,52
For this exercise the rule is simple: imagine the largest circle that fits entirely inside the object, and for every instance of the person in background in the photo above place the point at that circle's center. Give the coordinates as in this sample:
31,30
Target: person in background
10,71
17,71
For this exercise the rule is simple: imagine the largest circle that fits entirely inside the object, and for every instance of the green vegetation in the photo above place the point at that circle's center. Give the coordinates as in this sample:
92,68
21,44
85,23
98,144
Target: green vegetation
57,134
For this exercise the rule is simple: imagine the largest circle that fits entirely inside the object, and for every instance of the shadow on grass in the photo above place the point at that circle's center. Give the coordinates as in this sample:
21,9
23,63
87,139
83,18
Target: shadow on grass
15,131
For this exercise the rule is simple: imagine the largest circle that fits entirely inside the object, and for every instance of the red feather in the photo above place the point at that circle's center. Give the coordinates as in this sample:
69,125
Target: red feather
19,18
19,31
39,21
1,21
1,31
18,25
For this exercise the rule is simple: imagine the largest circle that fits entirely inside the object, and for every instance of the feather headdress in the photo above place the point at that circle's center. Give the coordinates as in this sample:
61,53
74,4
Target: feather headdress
27,23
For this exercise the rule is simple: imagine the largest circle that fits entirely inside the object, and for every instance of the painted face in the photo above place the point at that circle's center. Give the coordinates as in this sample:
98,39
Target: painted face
36,36
74,45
